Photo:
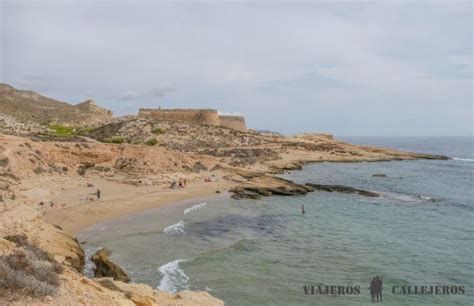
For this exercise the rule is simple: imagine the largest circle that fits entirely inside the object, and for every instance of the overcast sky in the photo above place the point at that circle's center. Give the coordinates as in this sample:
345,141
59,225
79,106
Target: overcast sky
347,68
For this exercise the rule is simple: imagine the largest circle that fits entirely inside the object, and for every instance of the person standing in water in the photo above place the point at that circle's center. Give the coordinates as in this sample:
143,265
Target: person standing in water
302,209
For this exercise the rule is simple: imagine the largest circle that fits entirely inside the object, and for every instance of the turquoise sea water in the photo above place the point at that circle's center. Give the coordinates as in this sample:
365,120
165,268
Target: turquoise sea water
262,252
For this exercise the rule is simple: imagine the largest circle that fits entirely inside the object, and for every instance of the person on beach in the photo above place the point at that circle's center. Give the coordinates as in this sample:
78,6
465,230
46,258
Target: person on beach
98,194
302,209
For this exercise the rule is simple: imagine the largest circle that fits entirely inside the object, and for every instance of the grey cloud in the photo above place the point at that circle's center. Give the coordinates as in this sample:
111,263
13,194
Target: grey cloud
311,61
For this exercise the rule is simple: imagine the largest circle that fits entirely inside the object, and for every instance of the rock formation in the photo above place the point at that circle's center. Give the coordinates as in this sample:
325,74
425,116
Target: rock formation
104,267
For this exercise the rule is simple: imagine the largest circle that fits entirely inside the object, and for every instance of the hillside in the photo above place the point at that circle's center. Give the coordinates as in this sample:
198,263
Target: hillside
31,106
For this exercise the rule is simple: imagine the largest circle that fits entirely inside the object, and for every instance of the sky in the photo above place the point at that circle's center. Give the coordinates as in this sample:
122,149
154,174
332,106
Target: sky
379,68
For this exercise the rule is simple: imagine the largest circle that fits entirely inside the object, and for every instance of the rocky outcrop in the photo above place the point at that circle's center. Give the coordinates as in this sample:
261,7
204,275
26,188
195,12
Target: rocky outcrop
268,186
106,268
26,221
343,189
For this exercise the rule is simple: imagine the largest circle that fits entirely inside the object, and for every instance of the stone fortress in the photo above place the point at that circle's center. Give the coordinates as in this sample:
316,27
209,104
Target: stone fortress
198,116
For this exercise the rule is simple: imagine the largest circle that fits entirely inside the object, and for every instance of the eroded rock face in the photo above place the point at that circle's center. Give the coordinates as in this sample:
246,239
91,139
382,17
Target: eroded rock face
25,220
106,268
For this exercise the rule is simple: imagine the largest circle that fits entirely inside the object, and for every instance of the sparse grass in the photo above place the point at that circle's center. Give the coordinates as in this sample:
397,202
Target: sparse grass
151,142
29,269
114,139
158,131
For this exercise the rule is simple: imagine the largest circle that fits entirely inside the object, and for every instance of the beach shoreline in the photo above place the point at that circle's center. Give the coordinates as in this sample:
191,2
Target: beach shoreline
76,218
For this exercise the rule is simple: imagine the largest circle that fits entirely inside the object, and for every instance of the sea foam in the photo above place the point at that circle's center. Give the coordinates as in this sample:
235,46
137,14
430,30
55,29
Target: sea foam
173,278
463,159
194,208
175,229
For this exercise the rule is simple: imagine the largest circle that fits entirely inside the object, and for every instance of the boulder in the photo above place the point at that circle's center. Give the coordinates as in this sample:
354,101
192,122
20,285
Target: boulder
106,268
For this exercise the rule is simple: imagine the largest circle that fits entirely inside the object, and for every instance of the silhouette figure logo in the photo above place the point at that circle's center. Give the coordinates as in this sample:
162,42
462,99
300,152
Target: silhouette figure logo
376,288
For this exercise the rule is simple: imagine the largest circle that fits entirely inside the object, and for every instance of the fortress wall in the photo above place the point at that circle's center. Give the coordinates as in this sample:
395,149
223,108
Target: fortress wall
198,116
233,122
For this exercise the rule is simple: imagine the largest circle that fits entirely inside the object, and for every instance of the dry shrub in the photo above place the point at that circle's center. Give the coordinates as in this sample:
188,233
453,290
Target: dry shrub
29,270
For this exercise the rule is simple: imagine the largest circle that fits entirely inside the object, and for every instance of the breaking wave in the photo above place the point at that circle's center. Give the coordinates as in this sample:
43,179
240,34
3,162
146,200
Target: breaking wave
173,278
463,159
194,208
175,229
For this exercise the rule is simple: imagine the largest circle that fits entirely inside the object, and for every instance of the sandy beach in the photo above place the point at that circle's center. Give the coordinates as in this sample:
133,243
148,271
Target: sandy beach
118,200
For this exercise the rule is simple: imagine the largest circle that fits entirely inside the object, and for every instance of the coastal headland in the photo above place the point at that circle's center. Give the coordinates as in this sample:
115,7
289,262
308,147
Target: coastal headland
61,173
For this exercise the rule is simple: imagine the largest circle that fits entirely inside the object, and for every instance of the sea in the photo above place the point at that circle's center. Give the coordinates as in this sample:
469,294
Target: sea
419,232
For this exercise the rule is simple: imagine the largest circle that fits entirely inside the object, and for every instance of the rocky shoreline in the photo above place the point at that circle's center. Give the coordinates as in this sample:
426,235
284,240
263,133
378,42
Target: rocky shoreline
23,231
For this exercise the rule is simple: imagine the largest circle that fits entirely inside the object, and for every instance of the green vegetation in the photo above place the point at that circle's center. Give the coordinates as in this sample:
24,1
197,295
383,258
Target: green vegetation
61,130
159,131
151,142
114,139
67,131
